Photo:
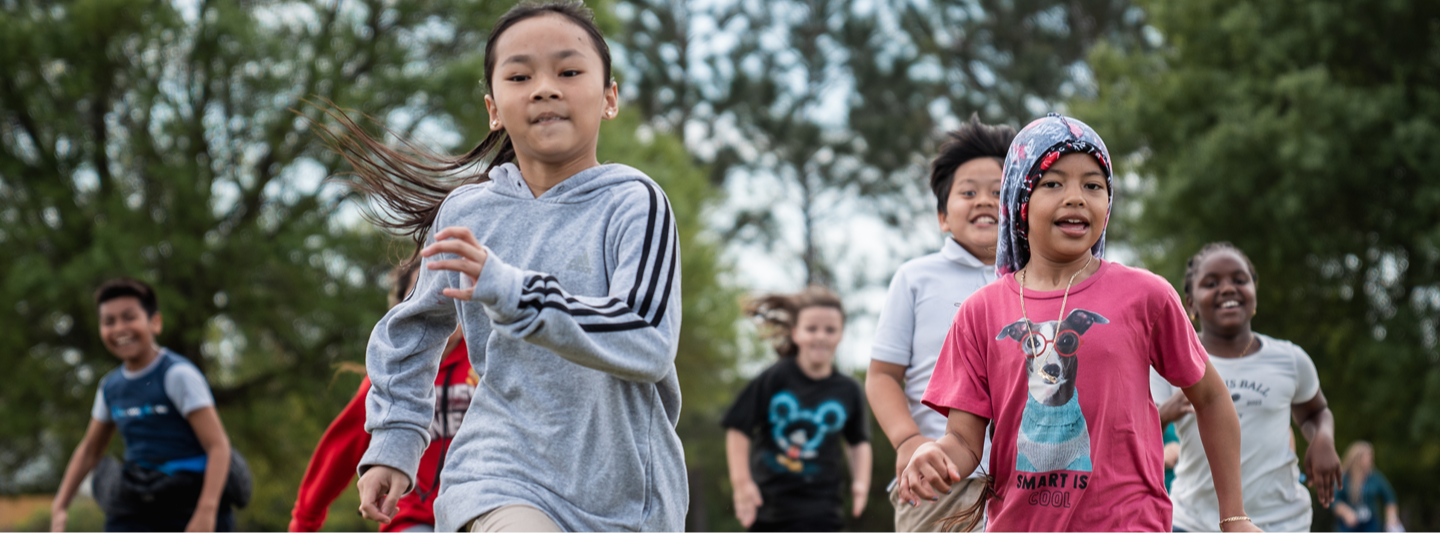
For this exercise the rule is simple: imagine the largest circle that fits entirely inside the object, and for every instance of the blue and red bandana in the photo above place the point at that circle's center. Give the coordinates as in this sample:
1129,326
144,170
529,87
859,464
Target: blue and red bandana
1034,149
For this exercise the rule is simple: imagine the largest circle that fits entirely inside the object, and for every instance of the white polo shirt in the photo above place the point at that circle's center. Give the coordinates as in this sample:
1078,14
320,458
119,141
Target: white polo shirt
919,310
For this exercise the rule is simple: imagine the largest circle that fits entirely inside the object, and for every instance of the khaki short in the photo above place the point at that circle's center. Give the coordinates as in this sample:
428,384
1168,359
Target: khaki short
513,518
927,515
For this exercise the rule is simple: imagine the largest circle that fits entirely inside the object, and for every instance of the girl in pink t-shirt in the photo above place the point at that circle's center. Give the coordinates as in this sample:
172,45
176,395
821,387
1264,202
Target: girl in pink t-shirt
1057,352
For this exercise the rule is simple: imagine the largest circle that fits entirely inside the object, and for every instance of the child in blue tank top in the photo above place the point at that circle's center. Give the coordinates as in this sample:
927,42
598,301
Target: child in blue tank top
166,416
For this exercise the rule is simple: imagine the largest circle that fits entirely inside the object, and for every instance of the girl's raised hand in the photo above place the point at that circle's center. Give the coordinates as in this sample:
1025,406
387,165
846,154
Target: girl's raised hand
459,241
930,473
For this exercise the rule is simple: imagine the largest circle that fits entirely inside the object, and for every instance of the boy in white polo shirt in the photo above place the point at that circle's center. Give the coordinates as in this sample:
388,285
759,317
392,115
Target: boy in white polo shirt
921,305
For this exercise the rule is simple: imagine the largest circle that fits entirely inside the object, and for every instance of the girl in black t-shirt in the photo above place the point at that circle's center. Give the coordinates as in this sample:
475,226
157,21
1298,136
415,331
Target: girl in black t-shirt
794,413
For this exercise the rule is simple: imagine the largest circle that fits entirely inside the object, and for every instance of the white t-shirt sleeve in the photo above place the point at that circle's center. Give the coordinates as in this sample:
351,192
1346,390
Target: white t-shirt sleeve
895,332
187,389
1160,388
1307,380
101,411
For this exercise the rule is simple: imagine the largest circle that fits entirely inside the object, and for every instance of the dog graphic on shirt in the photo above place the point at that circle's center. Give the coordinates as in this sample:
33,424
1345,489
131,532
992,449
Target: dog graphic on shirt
1053,433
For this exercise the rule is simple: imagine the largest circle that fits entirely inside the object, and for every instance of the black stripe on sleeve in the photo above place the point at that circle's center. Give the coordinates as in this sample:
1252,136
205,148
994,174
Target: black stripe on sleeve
659,261
606,328
584,311
669,283
645,251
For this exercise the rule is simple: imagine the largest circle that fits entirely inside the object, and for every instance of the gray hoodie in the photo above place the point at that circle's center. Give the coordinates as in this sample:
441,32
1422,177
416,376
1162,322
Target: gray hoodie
572,329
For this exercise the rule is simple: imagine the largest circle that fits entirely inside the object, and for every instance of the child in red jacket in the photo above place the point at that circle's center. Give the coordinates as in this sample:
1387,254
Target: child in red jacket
338,453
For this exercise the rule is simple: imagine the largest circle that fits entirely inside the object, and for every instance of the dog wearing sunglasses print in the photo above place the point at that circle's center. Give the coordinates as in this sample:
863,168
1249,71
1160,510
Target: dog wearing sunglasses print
1053,433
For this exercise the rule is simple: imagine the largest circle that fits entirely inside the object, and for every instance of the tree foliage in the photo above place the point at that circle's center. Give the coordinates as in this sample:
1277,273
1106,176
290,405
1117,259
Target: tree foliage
836,106
1304,132
164,141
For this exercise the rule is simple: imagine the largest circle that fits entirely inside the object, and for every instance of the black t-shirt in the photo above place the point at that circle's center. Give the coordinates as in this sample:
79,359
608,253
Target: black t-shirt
794,424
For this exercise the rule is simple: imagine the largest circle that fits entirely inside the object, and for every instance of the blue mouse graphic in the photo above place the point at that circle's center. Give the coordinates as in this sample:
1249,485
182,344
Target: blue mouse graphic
800,432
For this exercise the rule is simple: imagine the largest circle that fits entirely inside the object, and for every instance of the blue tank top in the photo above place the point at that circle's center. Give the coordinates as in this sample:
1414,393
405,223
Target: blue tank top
151,425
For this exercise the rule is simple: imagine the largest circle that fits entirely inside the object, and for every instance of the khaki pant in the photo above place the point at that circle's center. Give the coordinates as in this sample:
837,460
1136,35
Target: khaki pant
513,518
927,515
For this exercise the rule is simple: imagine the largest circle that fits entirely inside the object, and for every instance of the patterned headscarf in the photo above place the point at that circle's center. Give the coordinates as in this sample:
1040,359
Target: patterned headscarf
1035,148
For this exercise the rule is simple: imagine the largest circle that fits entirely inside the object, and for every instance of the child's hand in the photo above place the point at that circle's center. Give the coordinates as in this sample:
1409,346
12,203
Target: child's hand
380,491
906,451
1322,468
747,502
58,517
1177,406
930,473
202,520
860,493
459,241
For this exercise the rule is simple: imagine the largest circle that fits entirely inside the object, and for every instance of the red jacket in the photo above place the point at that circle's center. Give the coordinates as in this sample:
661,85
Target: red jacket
338,453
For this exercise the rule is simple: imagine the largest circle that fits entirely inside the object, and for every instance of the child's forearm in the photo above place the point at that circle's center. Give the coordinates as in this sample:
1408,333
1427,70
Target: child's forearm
861,458
888,401
81,463
1220,434
217,471
966,460
87,454
1321,425
964,441
737,454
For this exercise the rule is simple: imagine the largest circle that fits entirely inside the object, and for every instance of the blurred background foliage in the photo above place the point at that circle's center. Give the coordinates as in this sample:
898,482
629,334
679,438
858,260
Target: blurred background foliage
163,140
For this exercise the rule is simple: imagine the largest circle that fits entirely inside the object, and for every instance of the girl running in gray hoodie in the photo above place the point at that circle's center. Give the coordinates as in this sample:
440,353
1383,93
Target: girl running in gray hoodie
563,274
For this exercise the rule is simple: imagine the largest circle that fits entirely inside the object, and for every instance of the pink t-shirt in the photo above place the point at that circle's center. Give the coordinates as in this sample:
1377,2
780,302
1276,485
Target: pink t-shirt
1077,443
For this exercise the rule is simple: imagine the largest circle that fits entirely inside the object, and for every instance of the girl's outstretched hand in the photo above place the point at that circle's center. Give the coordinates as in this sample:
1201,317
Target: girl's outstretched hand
459,241
930,474
380,490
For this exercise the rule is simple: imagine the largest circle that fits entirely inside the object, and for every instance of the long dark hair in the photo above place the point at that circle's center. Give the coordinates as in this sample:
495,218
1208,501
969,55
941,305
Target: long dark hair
778,313
409,183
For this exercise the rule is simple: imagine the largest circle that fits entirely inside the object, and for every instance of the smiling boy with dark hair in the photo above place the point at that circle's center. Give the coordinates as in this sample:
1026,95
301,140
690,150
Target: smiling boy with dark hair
923,298
175,446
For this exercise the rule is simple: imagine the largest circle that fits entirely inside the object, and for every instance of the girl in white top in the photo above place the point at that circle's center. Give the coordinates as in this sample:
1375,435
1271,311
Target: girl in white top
1271,381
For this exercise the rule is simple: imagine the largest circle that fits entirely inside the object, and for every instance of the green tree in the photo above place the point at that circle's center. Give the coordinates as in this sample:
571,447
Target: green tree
1304,132
155,140
839,104
161,142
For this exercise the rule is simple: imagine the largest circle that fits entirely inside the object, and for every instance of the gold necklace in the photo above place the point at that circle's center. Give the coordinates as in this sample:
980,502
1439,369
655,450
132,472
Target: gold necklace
1247,347
1049,378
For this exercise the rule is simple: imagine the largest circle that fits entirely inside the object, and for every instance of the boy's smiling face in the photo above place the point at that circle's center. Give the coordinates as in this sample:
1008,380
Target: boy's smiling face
1068,208
972,212
125,328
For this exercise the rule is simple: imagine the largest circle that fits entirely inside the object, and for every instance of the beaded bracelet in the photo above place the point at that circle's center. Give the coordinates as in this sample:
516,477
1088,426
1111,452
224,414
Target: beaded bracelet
1233,519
